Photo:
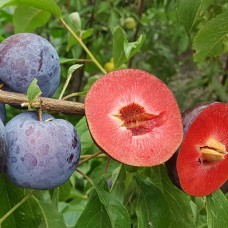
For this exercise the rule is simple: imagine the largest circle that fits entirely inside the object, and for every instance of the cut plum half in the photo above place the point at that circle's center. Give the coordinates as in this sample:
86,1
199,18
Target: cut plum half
202,163
134,117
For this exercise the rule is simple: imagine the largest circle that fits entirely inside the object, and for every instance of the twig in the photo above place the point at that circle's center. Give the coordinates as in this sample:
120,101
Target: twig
83,46
90,157
49,104
85,176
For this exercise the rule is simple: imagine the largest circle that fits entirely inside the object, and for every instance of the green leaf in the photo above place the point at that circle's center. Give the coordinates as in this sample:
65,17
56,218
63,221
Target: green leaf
70,72
217,210
87,144
152,209
178,202
27,19
10,196
72,211
33,91
47,5
50,216
113,21
90,82
66,60
94,214
219,89
119,41
131,48
122,49
209,40
64,191
72,69
103,210
187,11
83,34
87,33
75,20
118,183
117,212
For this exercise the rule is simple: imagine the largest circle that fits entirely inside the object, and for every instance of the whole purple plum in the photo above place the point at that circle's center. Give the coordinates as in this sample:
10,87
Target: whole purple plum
25,56
41,154
2,146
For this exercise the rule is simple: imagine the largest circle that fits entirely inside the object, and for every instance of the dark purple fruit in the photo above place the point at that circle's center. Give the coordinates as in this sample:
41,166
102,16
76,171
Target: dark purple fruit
26,56
2,147
41,154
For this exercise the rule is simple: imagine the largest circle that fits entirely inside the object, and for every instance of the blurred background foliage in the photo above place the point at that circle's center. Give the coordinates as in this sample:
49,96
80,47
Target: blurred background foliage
182,42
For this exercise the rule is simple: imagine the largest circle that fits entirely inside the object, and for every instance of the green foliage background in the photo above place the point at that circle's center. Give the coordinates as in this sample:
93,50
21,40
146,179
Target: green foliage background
184,43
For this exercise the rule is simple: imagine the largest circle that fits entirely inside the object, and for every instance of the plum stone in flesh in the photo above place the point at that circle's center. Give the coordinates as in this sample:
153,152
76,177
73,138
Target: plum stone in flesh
41,154
26,56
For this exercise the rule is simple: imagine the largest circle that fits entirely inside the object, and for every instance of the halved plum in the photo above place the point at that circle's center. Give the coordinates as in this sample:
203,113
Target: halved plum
134,117
202,162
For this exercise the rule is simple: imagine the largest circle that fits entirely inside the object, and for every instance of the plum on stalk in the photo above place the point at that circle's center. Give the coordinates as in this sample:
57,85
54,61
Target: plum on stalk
137,120
41,154
26,56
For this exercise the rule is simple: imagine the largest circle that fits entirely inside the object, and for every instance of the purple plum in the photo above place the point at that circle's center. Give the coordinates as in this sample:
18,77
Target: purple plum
41,154
26,56
2,146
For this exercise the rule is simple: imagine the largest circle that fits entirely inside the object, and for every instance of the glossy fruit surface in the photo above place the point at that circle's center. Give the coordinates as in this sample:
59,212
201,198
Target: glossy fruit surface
2,146
202,163
41,154
2,113
25,56
134,117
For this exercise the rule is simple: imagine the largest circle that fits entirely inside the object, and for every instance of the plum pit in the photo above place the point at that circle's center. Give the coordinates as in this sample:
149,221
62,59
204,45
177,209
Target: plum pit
213,151
135,118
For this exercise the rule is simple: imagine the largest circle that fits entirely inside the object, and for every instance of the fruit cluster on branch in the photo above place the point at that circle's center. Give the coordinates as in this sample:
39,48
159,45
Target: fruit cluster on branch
37,151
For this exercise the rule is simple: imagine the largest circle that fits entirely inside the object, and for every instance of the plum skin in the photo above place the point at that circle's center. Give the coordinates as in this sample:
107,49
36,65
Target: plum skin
2,113
41,154
2,147
25,56
188,116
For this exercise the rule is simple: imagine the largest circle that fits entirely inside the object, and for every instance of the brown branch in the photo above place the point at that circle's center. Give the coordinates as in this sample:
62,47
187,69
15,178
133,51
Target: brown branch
48,104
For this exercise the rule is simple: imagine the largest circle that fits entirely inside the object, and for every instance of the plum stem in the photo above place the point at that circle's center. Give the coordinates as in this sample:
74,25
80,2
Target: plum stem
83,46
90,157
40,113
6,215
85,176
106,166
74,95
49,104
